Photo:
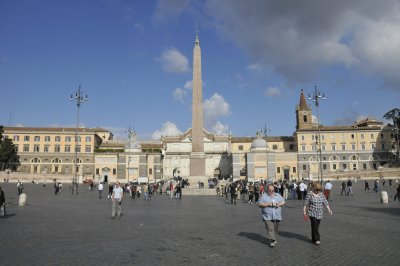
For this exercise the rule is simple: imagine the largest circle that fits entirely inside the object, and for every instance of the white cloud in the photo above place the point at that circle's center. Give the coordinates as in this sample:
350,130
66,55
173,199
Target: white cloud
188,85
167,129
220,129
297,38
180,94
215,108
272,91
174,61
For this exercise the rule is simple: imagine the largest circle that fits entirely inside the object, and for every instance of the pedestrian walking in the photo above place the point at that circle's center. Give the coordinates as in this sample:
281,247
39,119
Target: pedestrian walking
2,203
366,187
110,190
232,189
271,204
349,188
327,191
116,197
343,187
313,208
100,189
178,191
397,194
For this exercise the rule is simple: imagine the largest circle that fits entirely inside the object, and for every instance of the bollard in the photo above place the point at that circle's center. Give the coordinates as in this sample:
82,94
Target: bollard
22,200
384,197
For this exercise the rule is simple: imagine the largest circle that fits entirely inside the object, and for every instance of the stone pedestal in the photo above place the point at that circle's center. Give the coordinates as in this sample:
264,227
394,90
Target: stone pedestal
22,200
384,197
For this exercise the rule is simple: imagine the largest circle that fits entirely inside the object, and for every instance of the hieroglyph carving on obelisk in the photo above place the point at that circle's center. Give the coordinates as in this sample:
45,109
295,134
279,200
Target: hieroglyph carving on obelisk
197,158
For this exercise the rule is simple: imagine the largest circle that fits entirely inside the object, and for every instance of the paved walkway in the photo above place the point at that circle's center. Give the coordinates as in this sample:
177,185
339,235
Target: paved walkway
197,230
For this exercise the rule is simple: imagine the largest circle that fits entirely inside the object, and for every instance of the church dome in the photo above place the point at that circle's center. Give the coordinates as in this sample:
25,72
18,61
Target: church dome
259,144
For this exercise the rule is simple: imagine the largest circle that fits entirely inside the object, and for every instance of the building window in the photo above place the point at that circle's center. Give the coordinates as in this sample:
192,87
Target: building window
305,118
37,138
364,166
343,147
67,139
16,147
78,148
16,138
47,138
352,136
114,171
363,146
381,135
150,171
278,170
291,146
333,147
67,148
334,166
304,167
362,136
324,166
344,157
58,139
26,147
57,148
323,147
46,148
88,139
344,166
240,147
275,147
79,139
373,146
313,137
353,147
294,169
302,137
391,135
382,146
303,147
26,138
372,136
313,147
88,149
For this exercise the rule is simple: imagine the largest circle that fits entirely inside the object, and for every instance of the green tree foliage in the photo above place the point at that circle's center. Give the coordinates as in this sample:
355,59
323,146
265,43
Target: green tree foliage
8,156
393,115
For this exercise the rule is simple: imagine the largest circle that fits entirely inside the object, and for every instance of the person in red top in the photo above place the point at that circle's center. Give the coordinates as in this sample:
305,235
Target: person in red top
171,190
261,189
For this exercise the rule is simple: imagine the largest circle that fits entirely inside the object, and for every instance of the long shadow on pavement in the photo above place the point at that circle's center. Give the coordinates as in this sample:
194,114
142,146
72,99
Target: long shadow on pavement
293,235
255,237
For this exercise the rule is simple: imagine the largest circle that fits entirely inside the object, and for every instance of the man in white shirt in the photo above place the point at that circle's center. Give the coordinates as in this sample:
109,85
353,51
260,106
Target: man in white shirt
303,190
327,192
116,197
100,189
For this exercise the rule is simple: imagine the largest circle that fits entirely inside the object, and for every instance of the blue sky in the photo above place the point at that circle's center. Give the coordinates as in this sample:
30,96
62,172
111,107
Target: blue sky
134,60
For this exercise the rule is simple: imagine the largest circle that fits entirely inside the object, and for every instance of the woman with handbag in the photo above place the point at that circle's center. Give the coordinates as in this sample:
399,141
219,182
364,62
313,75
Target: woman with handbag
313,207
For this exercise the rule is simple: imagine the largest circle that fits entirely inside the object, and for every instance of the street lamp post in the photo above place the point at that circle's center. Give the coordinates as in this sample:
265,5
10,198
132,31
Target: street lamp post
79,97
316,97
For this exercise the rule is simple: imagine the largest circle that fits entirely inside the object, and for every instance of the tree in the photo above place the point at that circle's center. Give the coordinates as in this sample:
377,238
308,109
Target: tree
8,155
393,115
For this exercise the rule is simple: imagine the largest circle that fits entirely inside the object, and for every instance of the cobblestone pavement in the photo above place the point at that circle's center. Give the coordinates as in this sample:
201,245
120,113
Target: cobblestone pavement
196,230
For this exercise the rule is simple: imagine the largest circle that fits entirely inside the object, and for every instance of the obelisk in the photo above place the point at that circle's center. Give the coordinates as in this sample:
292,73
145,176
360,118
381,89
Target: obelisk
197,156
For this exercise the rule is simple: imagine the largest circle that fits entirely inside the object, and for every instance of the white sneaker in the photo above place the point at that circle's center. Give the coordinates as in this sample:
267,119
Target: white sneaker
317,243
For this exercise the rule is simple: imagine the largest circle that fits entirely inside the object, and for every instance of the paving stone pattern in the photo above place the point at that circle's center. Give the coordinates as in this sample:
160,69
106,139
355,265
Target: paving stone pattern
196,230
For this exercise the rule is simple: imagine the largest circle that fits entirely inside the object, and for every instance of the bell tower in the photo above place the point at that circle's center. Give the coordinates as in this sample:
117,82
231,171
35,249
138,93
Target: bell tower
303,114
